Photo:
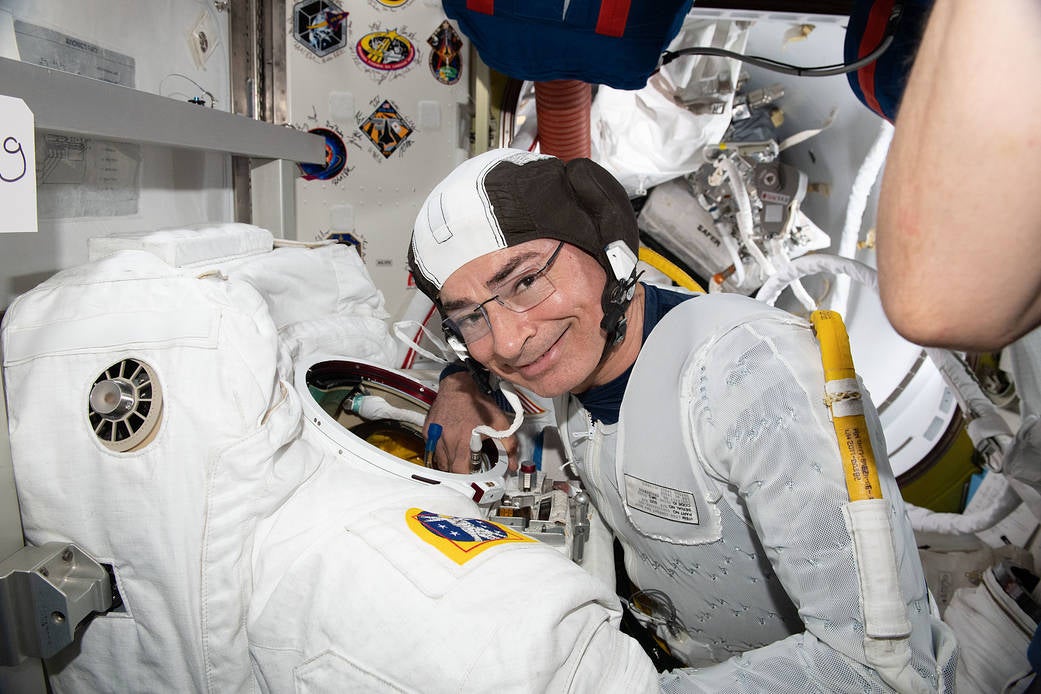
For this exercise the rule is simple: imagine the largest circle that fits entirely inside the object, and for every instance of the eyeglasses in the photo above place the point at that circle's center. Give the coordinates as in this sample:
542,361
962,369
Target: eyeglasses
519,293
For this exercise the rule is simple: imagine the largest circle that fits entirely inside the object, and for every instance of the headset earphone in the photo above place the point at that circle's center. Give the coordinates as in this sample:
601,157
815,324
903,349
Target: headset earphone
481,375
623,264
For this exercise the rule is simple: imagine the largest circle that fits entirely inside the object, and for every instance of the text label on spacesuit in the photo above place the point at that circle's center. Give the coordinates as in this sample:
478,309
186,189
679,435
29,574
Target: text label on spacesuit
664,502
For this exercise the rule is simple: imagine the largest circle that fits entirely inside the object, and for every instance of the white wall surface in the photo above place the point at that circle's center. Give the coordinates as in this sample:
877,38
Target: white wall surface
377,198
174,187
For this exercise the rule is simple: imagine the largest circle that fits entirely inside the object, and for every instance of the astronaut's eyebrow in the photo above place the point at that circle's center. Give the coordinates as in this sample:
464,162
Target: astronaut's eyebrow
505,271
511,265
451,306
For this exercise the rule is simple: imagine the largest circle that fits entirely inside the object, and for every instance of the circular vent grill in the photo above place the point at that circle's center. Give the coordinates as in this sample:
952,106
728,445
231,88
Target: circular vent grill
125,405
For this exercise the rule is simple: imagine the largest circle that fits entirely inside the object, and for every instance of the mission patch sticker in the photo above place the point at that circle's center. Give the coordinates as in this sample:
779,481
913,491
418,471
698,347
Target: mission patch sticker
386,128
335,157
385,50
446,62
321,27
460,539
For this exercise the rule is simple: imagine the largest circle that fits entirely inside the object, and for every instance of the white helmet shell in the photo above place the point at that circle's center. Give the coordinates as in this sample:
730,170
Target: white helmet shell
326,372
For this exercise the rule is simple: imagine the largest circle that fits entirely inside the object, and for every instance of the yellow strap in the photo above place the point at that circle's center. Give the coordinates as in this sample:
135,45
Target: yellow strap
858,458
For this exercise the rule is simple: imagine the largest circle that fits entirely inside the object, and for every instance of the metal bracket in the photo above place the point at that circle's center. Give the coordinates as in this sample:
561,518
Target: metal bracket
45,593
581,526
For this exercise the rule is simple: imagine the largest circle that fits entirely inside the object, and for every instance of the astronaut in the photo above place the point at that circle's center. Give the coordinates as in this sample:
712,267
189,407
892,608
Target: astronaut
699,426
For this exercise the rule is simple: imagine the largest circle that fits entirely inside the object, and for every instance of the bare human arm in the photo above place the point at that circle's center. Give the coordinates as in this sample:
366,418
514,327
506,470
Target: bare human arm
960,209
458,408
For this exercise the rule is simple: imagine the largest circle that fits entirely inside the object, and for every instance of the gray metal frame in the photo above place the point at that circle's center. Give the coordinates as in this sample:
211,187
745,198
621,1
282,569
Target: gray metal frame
258,91
68,103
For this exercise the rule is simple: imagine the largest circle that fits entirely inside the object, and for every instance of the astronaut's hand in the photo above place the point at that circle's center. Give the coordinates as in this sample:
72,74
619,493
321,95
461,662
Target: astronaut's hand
458,408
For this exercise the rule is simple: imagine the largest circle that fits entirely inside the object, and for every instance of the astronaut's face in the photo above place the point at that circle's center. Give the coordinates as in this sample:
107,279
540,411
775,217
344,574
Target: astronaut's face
552,348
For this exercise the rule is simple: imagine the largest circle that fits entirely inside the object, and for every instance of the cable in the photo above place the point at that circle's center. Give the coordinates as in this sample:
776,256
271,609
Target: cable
788,68
213,99
777,66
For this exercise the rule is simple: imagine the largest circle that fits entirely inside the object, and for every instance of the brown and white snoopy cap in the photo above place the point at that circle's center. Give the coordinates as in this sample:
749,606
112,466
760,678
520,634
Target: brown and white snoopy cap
505,197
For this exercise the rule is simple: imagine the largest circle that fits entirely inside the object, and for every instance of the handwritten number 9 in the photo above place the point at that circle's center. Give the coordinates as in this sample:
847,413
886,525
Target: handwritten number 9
13,146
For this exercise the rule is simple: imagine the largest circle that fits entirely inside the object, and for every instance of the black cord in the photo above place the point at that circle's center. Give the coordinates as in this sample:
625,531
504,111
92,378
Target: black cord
789,69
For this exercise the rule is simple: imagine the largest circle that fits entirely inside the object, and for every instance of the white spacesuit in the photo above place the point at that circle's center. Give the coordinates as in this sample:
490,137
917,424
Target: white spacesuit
154,423
723,481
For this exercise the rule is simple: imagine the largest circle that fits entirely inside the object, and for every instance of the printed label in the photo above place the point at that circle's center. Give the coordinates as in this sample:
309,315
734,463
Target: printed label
778,198
664,502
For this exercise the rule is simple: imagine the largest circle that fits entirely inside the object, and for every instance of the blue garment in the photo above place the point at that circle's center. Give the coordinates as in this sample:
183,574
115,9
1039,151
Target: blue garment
880,84
603,402
1034,650
597,41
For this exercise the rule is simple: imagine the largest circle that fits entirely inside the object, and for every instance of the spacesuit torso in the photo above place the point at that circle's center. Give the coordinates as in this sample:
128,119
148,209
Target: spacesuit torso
722,480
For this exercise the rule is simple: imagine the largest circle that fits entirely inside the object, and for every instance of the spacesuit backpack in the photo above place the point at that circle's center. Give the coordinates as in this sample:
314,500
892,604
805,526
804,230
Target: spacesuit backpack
150,425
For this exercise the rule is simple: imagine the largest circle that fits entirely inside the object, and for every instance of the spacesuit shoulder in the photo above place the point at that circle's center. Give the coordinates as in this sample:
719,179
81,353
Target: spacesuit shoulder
410,589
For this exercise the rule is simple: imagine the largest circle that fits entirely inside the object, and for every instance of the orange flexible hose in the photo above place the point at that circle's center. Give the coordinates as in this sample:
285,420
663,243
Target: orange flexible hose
562,108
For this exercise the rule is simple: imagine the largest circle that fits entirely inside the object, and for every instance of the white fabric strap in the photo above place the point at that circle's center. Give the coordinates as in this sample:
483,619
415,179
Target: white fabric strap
804,135
887,627
400,331
518,416
885,615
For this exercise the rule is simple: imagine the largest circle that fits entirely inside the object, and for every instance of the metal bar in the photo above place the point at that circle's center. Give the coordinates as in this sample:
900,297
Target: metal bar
69,103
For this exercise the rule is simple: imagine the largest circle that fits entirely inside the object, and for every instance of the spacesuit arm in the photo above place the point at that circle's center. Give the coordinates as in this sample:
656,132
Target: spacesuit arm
760,425
958,207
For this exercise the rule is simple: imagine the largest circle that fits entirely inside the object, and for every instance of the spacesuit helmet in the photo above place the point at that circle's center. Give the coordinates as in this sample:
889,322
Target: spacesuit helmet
505,197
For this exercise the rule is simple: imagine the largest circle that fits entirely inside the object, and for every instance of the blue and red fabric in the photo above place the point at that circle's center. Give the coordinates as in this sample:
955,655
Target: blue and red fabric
880,84
613,42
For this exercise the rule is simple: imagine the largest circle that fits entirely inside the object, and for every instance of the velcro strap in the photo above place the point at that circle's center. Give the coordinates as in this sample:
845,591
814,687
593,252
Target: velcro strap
612,18
482,6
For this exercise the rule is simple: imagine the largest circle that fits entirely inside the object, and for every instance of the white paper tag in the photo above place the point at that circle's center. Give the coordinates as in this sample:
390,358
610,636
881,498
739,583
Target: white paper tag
17,167
664,502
